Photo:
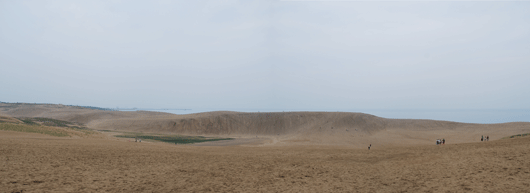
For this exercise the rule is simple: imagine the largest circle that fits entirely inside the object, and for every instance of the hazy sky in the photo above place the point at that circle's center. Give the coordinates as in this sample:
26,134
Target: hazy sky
266,54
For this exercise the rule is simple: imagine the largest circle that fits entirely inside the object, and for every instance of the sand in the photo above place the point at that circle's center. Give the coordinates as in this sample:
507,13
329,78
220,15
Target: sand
273,152
40,163
280,128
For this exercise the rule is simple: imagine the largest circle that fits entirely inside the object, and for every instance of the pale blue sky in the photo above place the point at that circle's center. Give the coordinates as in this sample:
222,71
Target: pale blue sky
267,54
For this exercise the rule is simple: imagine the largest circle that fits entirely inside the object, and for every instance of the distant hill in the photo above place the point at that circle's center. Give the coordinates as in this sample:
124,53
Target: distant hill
76,106
303,128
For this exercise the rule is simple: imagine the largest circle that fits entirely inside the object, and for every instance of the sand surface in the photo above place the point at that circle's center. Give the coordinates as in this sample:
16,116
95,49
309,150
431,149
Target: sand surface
40,163
272,152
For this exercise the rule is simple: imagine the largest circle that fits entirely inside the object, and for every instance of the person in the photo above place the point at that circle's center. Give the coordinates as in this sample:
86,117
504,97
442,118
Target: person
488,138
443,141
369,146
482,138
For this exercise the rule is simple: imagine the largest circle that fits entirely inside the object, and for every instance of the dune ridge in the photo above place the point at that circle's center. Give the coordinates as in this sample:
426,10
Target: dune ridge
321,128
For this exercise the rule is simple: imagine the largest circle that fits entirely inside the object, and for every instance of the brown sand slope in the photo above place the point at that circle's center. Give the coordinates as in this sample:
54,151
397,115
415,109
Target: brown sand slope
8,119
304,128
39,163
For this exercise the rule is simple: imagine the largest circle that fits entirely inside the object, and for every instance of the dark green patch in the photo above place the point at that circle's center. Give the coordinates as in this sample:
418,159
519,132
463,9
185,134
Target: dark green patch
519,135
52,122
28,121
175,139
76,127
31,129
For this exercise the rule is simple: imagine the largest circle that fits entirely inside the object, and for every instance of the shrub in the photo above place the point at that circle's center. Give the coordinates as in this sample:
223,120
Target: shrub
32,129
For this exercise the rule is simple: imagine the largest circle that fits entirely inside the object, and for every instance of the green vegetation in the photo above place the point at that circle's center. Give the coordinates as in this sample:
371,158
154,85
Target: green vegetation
173,139
519,135
27,121
32,128
81,128
49,122
38,125
52,122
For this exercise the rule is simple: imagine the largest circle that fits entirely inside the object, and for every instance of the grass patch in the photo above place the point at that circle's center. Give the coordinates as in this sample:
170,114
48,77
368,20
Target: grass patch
79,128
45,121
52,122
33,128
518,135
28,121
174,139
47,126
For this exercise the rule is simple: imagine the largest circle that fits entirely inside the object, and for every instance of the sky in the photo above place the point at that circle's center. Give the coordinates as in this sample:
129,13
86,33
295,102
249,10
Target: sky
231,54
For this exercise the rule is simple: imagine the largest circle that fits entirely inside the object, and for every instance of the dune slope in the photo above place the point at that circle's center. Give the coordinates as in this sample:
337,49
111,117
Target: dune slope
321,128
41,163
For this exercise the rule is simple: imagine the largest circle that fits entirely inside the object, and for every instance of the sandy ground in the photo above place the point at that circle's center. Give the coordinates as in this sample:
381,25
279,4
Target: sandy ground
40,163
273,152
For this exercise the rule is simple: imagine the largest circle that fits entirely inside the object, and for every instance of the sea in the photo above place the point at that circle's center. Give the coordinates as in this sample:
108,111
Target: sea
465,116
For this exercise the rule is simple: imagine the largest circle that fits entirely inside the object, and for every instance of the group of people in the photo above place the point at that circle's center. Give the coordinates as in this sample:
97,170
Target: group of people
442,141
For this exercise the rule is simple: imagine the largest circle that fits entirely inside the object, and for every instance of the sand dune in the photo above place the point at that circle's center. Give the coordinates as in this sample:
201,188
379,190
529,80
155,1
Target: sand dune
285,128
301,152
8,119
39,163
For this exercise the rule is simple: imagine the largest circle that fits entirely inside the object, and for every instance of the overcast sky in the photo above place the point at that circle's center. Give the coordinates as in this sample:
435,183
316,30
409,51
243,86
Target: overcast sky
229,54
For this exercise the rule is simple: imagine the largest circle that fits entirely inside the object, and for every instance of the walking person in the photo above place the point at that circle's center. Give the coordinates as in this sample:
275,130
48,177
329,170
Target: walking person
482,138
443,141
488,138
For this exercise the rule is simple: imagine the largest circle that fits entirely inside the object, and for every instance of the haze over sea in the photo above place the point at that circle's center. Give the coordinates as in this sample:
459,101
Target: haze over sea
465,116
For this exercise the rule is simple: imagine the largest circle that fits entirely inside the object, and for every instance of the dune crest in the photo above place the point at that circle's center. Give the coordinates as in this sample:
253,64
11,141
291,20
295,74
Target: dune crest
298,128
